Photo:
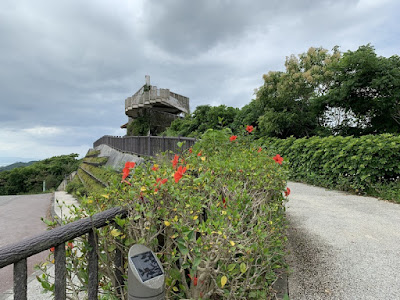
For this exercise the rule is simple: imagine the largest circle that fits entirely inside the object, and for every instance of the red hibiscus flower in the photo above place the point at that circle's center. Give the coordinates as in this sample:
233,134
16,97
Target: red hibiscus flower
194,279
128,165
287,192
125,173
199,154
70,245
155,168
278,159
190,150
233,137
249,128
175,160
52,249
179,173
160,182
259,150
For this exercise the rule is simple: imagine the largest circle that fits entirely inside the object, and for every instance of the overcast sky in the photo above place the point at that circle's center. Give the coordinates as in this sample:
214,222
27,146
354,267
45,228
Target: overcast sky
66,66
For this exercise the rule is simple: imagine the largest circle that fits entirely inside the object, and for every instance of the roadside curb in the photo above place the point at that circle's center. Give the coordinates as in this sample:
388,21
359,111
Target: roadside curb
281,285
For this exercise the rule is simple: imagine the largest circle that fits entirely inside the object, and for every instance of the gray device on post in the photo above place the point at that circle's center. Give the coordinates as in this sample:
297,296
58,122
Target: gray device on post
145,275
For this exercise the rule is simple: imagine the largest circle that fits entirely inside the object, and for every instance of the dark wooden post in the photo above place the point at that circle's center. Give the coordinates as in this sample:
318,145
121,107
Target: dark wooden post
60,291
20,280
149,145
118,264
93,266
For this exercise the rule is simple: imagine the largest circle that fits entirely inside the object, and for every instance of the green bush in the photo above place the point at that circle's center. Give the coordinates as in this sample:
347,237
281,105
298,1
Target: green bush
74,186
364,165
92,153
214,216
99,161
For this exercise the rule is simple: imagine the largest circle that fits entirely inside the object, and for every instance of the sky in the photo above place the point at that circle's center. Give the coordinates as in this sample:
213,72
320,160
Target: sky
67,66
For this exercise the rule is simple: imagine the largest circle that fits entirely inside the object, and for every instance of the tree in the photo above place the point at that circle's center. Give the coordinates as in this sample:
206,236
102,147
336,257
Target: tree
203,118
366,89
319,93
289,99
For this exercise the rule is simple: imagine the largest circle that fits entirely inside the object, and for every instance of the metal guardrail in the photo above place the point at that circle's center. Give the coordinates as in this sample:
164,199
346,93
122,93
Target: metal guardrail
18,253
145,145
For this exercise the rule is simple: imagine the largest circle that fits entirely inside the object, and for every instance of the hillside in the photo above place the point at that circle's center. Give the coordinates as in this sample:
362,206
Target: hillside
16,165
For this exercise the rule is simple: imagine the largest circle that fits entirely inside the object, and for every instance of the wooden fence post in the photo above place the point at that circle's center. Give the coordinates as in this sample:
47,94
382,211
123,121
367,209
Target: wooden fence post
20,280
149,145
93,266
119,265
60,291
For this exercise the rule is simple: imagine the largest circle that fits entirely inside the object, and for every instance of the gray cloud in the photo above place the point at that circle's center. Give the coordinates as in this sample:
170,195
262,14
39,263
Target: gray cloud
191,27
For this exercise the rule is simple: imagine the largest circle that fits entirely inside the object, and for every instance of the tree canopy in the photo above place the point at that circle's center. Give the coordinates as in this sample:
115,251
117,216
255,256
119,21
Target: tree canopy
320,92
203,118
367,88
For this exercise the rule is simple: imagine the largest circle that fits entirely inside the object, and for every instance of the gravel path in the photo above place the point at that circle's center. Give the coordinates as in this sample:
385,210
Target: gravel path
19,219
342,246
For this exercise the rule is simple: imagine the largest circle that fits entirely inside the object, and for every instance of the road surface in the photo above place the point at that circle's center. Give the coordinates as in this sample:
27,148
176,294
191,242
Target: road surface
342,246
20,218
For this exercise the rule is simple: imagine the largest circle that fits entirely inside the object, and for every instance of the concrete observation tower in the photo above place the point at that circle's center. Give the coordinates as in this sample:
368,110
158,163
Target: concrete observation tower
157,106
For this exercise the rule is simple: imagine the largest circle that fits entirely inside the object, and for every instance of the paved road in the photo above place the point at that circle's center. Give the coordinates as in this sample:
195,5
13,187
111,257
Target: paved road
342,246
20,218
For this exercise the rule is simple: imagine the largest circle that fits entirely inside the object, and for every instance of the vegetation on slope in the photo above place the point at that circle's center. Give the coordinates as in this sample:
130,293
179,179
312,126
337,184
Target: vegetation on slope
92,176
29,180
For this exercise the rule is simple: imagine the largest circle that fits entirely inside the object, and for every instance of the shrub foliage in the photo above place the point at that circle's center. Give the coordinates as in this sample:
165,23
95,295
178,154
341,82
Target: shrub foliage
214,215
361,164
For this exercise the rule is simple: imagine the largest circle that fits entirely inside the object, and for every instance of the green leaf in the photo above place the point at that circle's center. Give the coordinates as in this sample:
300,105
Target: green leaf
175,274
45,285
243,267
120,222
231,267
196,261
183,249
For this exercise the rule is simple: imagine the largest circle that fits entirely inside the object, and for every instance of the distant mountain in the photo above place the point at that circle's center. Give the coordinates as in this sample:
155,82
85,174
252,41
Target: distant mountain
16,165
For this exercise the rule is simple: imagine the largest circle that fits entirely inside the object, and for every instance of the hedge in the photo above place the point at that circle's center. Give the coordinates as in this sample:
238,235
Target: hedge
347,163
214,215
